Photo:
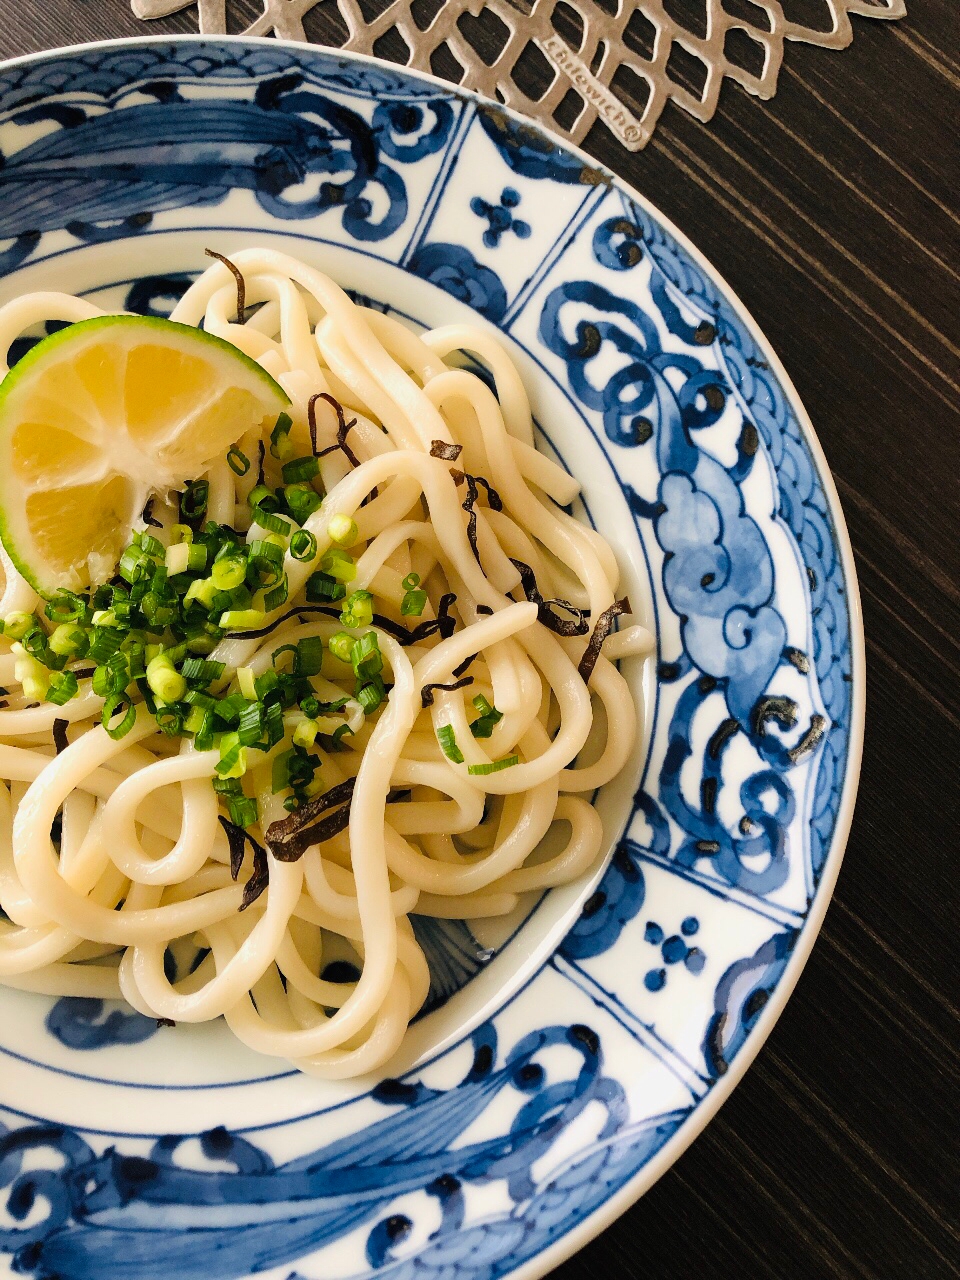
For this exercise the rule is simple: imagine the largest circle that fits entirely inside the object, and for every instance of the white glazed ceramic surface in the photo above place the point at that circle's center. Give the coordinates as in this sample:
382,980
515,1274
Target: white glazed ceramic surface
570,1056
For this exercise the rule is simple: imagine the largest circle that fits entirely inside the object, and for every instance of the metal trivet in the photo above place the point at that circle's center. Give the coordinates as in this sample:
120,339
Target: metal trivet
568,63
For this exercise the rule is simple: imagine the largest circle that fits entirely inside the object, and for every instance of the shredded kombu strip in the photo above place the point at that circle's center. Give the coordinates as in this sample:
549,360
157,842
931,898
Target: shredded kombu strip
494,499
166,1022
566,627
148,517
238,276
457,476
426,693
290,838
467,662
261,454
238,839
448,452
600,633
485,610
444,623
60,739
468,505
342,428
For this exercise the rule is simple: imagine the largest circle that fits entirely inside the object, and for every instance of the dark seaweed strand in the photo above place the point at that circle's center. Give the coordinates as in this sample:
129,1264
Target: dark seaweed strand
260,879
494,499
165,1022
261,454
468,505
448,452
60,739
238,839
426,693
559,626
600,633
284,828
238,276
342,427
457,476
385,624
467,662
290,838
147,515
485,610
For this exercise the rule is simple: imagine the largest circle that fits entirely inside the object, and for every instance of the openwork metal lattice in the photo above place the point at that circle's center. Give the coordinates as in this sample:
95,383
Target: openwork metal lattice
569,63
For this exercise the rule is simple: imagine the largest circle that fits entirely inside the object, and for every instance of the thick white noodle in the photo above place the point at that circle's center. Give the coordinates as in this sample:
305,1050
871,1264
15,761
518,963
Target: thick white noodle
139,878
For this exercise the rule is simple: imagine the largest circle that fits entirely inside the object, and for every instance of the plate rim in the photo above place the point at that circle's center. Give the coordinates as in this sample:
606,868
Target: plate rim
706,1109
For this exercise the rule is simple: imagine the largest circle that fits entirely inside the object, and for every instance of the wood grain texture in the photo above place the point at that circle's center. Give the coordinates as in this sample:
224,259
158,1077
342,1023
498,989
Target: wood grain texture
832,210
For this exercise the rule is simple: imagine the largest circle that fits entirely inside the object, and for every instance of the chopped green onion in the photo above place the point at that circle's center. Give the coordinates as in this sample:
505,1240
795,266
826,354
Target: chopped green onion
339,565
489,716
242,619
202,590
193,500
133,564
280,444
410,581
229,572
250,725
203,671
165,682
112,707
343,530
196,557
266,549
365,656
177,558
203,737
17,624
105,618
300,469
170,720
305,734
263,684
237,461
267,520
197,698
358,610
63,687
493,766
273,723
151,546
309,658
448,743
244,810
341,646
247,682
280,779
104,643
195,720
33,676
371,695
111,677
276,596
227,786
285,648
231,708
66,607
301,501
320,586
180,533
413,603
68,641
303,545
233,757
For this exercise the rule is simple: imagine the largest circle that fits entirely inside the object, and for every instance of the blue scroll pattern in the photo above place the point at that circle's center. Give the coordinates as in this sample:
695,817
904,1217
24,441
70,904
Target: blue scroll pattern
718,571
116,169
72,1210
109,1213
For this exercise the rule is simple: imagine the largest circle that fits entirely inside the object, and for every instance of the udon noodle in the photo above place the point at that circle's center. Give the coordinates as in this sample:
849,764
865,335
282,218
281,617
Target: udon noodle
115,872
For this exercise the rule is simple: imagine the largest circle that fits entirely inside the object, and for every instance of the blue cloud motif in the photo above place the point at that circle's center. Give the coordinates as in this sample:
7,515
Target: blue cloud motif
454,269
719,580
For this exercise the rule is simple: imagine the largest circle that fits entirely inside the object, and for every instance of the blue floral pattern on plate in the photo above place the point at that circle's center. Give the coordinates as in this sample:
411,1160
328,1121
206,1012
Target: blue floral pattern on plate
512,1140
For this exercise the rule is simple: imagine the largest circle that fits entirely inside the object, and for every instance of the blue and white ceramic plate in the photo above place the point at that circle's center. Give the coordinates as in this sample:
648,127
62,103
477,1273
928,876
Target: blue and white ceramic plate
563,1065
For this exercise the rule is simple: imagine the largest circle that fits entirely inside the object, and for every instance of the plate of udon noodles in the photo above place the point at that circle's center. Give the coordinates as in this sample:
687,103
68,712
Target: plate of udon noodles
430,682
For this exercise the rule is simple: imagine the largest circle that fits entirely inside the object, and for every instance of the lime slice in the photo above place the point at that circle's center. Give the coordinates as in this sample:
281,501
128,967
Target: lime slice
99,417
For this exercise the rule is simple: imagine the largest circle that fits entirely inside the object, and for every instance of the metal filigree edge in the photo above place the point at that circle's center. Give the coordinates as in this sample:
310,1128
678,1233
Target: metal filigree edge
631,48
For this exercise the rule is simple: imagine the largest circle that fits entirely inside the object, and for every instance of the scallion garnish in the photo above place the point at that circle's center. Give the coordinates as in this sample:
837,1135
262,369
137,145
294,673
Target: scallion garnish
237,461
448,743
303,545
493,766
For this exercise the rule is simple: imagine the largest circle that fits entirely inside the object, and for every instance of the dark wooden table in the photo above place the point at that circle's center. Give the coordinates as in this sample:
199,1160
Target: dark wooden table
833,211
